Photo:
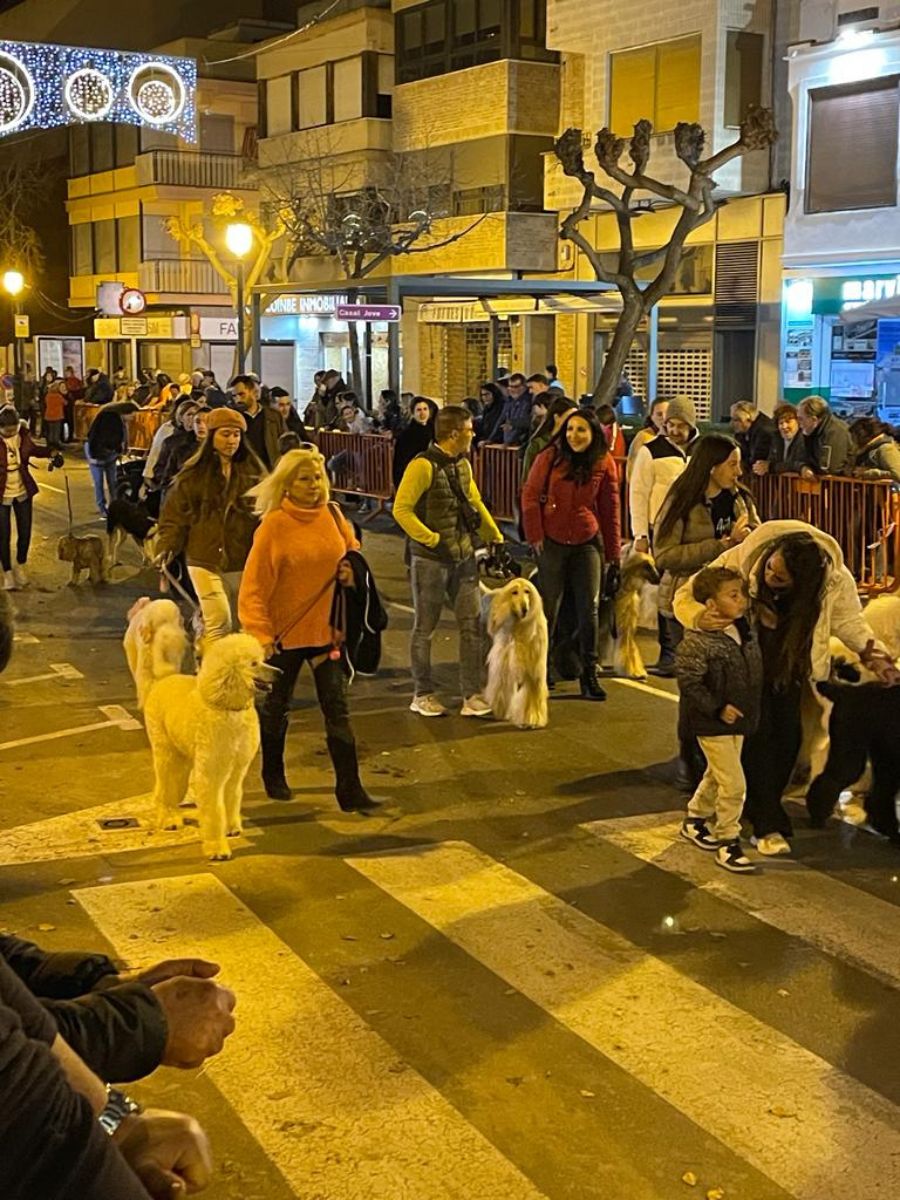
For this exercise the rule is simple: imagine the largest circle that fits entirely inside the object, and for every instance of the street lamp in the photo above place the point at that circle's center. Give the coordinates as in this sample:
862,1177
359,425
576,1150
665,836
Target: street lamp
13,285
239,240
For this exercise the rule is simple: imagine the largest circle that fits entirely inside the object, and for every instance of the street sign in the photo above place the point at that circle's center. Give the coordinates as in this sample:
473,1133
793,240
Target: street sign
23,326
133,326
368,312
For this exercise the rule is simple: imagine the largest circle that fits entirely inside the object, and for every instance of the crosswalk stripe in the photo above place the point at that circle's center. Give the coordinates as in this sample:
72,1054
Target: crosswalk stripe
782,1108
829,914
322,1093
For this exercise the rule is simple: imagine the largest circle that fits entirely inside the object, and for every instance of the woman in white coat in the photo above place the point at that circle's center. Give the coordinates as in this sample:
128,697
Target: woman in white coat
803,595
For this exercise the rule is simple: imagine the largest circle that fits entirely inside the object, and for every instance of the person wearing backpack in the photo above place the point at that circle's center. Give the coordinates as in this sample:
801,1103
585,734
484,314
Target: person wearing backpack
441,511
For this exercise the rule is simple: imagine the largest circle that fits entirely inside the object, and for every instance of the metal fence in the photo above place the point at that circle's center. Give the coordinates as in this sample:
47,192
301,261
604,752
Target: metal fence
359,464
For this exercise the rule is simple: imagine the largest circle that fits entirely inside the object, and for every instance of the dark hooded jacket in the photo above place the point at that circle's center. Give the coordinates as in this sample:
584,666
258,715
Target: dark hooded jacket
360,614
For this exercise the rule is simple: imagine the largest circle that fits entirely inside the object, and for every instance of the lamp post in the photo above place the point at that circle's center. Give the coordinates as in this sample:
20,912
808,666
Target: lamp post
239,240
13,285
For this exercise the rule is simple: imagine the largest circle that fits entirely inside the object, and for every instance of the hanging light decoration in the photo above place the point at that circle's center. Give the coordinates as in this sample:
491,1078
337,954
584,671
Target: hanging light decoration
43,86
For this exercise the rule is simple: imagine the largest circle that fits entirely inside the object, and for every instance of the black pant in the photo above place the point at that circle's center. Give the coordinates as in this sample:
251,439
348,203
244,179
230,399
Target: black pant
769,758
669,635
331,692
23,532
581,567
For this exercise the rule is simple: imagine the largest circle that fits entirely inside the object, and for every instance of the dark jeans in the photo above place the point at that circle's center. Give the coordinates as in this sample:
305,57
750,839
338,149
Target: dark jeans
23,532
769,757
331,692
669,635
581,567
53,430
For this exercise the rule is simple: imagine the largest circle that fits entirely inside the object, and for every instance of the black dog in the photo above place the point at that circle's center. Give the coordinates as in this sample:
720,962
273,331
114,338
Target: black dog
863,727
125,519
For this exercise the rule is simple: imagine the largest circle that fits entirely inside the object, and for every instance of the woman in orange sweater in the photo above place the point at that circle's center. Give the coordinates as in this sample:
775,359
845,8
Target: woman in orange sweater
297,560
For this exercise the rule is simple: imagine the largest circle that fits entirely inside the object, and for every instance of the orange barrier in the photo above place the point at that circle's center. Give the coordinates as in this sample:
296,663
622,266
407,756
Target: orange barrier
141,428
359,464
862,515
498,476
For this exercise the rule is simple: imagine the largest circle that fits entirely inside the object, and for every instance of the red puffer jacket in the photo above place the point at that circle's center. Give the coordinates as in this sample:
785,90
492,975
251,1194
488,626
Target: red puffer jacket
557,507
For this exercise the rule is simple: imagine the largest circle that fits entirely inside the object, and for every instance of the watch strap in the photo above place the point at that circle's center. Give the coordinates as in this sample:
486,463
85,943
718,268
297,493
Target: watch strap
118,1106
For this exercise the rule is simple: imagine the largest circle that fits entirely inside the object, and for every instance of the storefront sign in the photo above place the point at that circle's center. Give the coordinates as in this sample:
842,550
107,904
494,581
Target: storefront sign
463,312
162,328
833,294
218,329
304,305
368,312
133,326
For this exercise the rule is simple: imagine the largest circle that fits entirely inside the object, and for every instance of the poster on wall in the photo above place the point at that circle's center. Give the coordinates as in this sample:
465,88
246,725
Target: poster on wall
852,380
59,353
798,355
887,371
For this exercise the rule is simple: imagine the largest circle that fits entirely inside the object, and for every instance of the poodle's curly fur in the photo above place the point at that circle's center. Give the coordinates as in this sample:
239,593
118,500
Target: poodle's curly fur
203,728
517,662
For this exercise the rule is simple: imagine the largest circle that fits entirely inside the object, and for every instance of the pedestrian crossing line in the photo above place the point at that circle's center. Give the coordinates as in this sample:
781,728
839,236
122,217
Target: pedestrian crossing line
322,1093
644,687
79,835
836,917
812,1130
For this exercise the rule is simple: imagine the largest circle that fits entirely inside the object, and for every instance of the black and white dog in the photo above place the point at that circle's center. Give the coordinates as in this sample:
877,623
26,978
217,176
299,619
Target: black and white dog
125,519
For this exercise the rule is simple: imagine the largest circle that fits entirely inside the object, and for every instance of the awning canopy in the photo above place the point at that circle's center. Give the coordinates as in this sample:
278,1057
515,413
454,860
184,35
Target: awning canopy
885,308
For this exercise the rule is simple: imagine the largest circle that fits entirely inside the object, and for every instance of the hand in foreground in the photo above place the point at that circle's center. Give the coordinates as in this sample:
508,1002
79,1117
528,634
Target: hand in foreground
730,714
168,1152
807,473
198,1016
162,560
711,622
169,968
642,545
880,664
760,467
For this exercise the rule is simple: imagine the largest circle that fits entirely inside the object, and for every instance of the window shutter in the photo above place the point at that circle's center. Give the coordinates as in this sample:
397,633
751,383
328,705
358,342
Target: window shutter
631,88
737,283
853,147
677,83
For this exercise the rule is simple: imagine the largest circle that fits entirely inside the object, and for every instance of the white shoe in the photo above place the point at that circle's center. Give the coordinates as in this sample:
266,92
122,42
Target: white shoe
428,706
19,576
476,706
771,845
9,582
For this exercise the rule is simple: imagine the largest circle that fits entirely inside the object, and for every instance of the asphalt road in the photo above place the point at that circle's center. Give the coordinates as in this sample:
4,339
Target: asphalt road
515,984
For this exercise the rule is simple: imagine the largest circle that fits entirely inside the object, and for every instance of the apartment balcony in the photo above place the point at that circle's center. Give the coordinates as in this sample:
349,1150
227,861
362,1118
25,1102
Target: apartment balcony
185,168
180,277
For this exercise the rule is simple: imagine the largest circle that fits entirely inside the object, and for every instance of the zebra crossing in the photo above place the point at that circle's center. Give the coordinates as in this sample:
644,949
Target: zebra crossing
497,1038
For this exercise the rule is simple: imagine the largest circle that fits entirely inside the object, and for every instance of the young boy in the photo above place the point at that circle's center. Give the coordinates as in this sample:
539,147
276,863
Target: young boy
720,679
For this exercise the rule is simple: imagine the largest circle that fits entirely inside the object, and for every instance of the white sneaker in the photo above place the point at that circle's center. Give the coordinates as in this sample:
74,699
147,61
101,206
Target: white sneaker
772,844
475,706
428,706
19,576
9,582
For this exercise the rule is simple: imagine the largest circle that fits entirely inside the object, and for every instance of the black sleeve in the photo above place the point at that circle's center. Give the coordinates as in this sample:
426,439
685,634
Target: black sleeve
120,1032
56,976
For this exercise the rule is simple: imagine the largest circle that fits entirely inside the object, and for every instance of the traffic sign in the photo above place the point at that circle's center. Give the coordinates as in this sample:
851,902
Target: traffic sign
368,312
23,326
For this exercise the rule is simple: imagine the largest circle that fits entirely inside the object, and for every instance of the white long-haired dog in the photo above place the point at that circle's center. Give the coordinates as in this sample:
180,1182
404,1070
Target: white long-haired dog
638,571
517,661
203,729
154,643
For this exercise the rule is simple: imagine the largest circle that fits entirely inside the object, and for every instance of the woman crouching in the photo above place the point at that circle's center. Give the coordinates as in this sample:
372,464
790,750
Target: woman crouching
297,560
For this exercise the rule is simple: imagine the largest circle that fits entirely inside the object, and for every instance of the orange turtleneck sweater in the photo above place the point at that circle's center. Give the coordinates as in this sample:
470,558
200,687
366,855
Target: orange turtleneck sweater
284,591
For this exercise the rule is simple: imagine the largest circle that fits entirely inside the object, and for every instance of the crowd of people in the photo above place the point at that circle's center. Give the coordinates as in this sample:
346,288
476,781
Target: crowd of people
248,534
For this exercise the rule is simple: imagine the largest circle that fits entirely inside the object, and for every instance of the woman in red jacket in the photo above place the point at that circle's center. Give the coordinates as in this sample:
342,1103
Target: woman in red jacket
570,513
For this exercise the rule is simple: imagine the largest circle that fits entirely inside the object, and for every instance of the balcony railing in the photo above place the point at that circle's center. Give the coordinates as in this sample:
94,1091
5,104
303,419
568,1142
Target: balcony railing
181,276
185,168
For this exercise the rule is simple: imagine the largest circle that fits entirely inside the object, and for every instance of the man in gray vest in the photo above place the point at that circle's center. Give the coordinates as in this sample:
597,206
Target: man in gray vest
440,509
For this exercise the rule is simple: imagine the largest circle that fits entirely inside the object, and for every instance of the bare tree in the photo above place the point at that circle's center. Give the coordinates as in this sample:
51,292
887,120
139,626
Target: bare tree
362,218
696,200
21,183
225,208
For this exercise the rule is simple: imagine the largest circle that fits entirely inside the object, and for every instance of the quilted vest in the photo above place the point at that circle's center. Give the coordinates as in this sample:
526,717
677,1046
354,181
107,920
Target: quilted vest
440,508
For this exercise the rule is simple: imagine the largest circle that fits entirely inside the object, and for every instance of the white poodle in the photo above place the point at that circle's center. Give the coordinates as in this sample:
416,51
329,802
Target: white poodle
204,729
154,643
517,662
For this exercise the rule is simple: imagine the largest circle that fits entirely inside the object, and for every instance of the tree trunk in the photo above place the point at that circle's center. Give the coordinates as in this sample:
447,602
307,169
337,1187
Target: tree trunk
617,355
356,376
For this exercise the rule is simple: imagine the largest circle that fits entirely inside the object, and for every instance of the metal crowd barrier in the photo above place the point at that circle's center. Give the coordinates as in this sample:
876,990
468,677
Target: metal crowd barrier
862,515
141,428
359,464
498,476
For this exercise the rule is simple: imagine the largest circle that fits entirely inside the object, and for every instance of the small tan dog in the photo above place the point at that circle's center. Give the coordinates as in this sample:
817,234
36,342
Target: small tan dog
638,570
517,663
85,554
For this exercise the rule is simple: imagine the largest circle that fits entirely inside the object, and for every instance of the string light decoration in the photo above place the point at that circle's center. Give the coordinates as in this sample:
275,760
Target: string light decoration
43,86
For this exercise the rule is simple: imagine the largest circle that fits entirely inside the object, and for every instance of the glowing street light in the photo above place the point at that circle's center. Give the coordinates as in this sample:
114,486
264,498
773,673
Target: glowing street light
239,240
13,285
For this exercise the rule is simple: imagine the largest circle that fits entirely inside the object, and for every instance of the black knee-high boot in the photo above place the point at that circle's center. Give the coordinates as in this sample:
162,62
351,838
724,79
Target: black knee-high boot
272,733
331,691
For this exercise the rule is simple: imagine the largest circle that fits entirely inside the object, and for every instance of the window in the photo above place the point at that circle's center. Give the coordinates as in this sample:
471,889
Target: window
105,247
347,94
852,152
126,144
101,148
279,106
79,150
103,157
156,139
660,83
743,74
217,133
82,249
313,97
128,238
155,242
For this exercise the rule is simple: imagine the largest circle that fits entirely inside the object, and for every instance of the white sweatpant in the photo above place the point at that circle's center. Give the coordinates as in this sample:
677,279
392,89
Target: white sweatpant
217,596
723,788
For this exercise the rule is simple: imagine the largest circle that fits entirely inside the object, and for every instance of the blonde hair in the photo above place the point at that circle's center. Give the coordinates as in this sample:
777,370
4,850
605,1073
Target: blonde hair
269,492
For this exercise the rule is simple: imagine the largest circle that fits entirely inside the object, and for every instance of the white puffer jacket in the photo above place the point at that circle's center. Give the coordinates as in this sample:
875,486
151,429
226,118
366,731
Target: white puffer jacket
651,479
841,615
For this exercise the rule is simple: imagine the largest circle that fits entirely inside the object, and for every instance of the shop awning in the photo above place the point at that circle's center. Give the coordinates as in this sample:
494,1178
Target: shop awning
883,309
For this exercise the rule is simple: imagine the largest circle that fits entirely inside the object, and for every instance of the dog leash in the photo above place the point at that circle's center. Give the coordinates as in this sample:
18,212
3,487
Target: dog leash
179,589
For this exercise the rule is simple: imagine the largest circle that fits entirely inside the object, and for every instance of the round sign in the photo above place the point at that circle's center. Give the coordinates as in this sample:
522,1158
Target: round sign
132,302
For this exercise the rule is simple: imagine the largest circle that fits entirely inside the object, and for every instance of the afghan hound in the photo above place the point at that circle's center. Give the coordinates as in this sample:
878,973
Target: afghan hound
517,661
638,570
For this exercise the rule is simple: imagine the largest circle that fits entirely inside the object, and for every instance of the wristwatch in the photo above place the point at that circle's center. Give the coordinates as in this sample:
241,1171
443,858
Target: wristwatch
118,1106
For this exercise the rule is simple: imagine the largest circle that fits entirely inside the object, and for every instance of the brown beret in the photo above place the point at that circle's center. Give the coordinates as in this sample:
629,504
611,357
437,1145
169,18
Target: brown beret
226,418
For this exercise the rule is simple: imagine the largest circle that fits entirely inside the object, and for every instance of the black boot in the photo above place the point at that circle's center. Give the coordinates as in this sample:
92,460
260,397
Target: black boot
272,738
591,688
349,791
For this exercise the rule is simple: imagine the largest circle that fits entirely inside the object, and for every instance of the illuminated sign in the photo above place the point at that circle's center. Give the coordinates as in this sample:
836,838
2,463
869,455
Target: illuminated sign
304,305
42,86
862,291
